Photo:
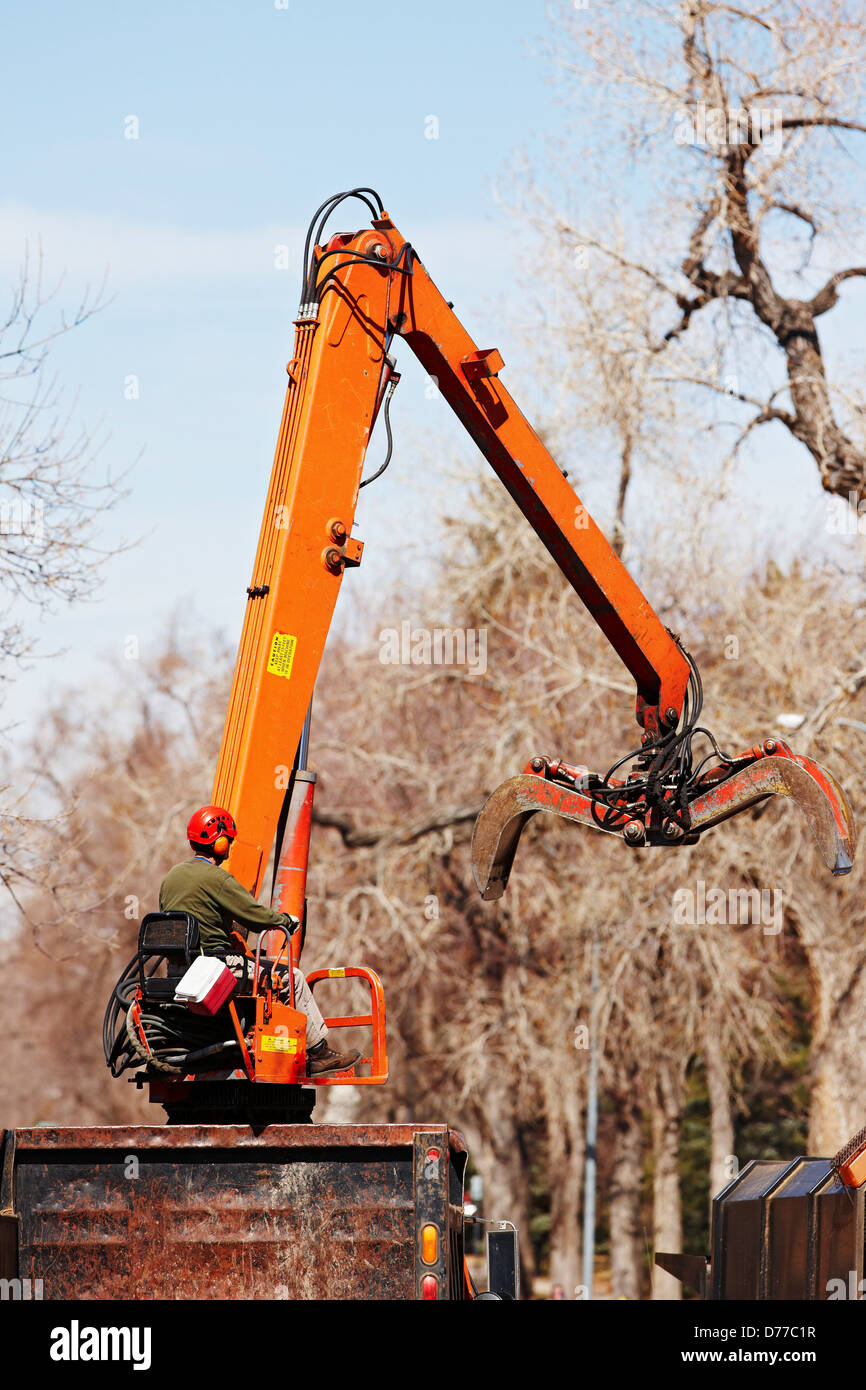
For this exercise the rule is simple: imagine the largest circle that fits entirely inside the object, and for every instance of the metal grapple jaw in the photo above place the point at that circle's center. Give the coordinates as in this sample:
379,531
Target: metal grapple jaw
665,818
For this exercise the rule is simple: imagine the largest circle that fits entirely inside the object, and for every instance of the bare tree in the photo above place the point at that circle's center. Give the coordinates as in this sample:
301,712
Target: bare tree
52,503
606,400
51,498
735,128
485,1001
624,1189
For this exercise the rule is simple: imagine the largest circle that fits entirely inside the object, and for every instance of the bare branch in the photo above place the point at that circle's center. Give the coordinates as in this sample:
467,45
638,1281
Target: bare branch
827,297
355,838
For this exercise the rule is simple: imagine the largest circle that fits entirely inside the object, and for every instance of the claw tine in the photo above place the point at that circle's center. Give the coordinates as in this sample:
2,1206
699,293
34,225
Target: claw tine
503,817
822,801
496,836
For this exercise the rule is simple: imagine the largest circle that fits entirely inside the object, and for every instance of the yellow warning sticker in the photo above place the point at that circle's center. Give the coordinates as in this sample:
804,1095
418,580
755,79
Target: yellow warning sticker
271,1042
282,654
336,974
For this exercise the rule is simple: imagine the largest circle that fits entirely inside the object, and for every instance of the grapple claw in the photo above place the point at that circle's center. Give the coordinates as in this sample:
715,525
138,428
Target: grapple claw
502,818
823,802
771,769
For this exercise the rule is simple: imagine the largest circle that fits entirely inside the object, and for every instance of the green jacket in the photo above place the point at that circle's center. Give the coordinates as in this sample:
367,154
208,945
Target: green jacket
217,901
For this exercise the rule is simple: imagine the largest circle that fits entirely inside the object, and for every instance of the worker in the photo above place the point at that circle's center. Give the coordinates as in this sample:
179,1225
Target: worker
201,887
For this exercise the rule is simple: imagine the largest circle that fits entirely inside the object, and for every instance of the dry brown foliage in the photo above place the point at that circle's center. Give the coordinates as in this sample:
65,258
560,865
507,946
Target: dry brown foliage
489,1004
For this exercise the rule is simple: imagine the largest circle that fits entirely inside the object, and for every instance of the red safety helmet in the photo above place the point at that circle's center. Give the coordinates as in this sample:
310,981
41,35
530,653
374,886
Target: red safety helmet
212,828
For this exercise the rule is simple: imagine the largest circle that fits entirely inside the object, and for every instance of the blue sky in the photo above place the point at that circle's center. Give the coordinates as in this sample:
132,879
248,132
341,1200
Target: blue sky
249,115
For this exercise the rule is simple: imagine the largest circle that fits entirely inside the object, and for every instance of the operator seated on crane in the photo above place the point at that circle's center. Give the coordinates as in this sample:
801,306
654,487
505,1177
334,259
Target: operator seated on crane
209,893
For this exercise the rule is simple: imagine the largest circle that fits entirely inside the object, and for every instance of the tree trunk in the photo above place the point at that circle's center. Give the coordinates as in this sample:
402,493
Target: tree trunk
618,542
625,1185
722,1162
565,1183
667,1208
836,1110
497,1150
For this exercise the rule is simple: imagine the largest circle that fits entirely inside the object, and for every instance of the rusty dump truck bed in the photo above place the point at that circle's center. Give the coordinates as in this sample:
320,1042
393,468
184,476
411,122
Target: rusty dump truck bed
220,1212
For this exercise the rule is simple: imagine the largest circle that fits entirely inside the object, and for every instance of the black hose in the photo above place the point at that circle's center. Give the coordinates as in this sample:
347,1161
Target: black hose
381,469
173,1034
327,208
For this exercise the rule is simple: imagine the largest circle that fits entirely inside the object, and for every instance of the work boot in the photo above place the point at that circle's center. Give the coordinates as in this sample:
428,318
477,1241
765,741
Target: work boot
324,1059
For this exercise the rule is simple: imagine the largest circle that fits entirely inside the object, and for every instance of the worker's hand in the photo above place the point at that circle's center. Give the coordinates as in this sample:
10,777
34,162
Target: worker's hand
291,923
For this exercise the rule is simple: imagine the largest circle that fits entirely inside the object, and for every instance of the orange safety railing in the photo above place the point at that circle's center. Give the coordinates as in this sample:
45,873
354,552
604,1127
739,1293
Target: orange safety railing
375,1020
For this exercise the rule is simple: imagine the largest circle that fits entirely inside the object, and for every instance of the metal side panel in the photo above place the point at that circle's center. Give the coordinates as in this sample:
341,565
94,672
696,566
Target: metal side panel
738,1230
789,1209
438,1177
8,1246
836,1240
196,1212
8,1220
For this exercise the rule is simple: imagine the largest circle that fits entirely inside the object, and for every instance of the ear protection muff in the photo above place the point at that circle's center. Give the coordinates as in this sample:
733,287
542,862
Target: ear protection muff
211,829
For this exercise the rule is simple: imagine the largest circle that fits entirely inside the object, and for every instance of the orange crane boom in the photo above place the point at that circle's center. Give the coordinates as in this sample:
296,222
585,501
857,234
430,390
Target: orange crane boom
361,292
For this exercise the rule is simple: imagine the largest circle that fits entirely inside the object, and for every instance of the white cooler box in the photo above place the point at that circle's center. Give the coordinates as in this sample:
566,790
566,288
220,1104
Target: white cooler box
206,985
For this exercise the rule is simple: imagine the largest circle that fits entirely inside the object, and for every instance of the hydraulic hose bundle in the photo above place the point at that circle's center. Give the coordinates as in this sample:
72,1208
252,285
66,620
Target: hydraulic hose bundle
177,1040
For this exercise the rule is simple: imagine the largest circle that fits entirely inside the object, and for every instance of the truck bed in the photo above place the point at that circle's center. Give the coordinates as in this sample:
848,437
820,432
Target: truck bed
220,1212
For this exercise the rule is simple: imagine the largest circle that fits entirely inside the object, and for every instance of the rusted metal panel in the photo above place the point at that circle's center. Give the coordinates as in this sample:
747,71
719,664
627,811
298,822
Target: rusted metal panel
819,796
430,1181
7,1162
8,1246
229,1136
788,1231
790,1211
738,1230
836,1244
220,1212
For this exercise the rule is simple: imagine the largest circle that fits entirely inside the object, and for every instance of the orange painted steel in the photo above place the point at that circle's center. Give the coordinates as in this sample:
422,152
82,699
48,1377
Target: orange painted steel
378,1059
280,1041
336,381
236,1025
290,880
853,1173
